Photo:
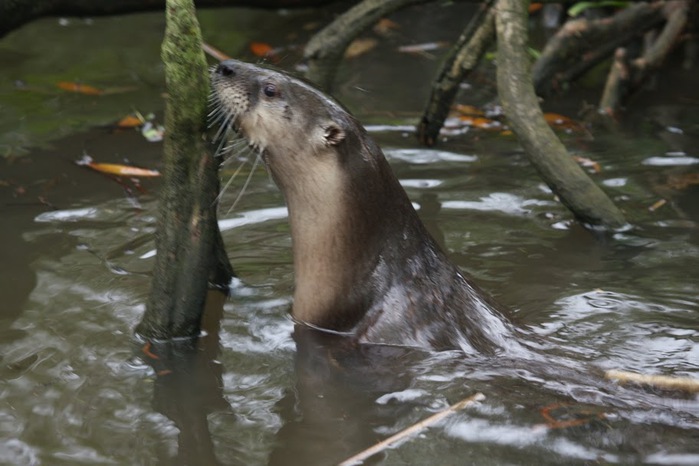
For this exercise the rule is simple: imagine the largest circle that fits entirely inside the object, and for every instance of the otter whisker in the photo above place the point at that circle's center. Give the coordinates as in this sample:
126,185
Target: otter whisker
245,185
215,116
230,180
225,125
234,146
221,135
231,142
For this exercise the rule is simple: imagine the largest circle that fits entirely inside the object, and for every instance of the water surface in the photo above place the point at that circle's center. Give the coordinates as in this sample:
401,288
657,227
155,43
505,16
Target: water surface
77,251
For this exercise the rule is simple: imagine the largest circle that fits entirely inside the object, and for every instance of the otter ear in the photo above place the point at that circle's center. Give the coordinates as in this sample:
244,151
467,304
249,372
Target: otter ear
333,134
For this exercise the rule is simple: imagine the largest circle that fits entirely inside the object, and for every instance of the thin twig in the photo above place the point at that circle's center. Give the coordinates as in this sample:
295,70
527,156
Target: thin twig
412,430
214,52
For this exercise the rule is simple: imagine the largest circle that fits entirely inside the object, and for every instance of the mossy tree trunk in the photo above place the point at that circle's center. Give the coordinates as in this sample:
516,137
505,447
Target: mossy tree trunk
188,242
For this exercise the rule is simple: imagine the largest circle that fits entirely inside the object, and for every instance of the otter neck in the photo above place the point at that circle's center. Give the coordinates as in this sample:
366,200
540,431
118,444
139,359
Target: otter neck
323,239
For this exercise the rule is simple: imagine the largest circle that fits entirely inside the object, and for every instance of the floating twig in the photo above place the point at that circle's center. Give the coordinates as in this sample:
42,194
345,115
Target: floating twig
412,430
685,384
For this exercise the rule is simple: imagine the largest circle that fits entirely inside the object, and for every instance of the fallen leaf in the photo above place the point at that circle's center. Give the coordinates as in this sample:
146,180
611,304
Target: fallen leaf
360,47
130,121
385,26
116,169
534,7
260,49
481,122
469,110
79,88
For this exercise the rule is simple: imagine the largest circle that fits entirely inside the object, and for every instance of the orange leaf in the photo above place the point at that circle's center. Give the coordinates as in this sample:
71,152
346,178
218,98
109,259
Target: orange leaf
480,122
79,88
129,121
123,170
534,7
360,47
384,26
260,49
469,110
116,169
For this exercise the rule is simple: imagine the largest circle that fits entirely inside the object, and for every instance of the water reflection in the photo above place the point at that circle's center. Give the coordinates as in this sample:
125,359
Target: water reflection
336,407
332,411
189,385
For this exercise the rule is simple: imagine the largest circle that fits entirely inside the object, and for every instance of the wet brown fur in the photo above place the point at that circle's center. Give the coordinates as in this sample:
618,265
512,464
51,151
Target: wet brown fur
363,261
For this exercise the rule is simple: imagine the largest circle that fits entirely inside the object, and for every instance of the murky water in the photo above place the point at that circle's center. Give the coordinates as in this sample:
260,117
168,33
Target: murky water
76,388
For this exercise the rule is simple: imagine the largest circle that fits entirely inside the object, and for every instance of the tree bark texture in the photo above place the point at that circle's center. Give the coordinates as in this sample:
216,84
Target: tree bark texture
566,179
15,13
462,60
187,235
326,48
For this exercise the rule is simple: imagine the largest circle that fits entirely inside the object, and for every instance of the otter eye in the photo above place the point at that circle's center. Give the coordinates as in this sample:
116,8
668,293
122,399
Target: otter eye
270,90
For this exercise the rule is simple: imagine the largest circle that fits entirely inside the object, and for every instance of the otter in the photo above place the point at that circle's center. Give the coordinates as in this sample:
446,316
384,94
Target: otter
364,264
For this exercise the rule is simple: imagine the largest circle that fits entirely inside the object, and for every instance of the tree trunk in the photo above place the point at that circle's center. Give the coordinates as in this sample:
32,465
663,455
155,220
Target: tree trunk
543,148
188,241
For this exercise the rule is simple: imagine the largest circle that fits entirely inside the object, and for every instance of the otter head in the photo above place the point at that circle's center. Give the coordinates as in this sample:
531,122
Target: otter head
291,124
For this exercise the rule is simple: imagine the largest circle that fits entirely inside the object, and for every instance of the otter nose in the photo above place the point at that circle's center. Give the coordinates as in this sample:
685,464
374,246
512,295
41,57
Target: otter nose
226,68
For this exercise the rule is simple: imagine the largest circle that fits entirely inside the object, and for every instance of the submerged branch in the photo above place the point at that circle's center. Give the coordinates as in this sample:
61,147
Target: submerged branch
462,60
627,75
581,40
325,49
